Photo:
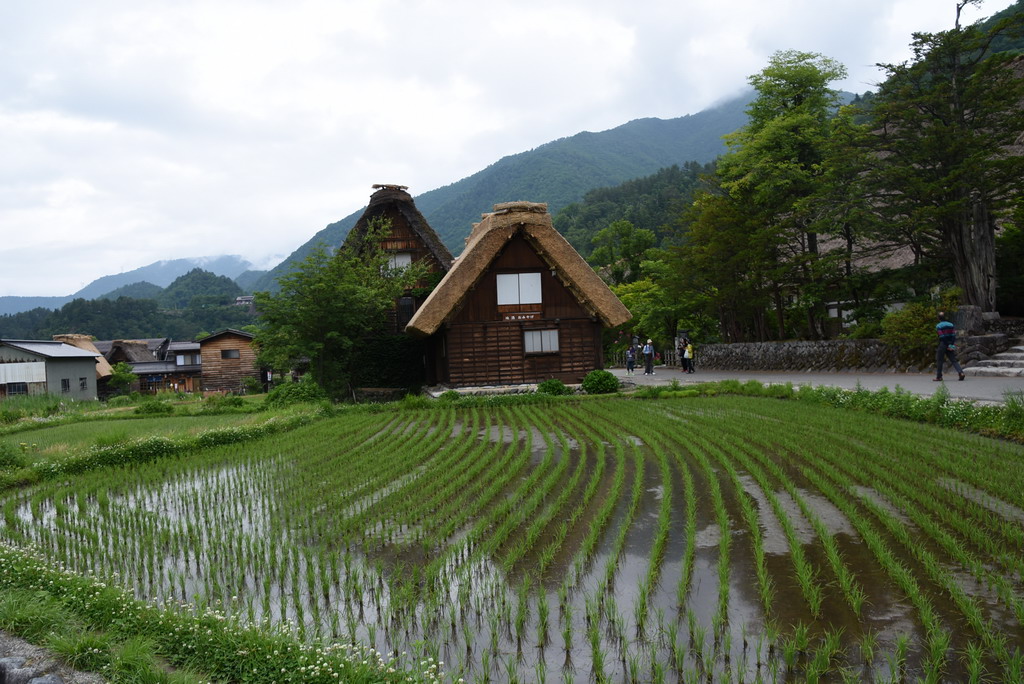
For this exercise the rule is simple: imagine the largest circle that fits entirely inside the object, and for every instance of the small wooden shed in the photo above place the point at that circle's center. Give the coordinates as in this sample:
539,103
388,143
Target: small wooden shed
228,358
520,305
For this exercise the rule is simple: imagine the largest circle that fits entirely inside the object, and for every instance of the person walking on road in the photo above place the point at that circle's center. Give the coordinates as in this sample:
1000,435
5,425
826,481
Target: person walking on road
630,360
946,332
648,352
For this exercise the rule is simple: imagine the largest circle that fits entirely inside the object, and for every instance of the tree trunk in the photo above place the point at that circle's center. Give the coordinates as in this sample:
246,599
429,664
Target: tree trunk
971,239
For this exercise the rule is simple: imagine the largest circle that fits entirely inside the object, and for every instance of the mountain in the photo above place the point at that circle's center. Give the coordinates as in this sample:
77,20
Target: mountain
140,290
159,273
559,173
163,273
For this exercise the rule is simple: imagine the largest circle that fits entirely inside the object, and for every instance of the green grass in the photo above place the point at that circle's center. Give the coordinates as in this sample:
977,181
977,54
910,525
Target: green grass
59,440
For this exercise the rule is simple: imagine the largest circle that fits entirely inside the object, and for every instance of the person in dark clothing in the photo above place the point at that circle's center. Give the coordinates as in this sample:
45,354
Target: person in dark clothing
649,358
946,332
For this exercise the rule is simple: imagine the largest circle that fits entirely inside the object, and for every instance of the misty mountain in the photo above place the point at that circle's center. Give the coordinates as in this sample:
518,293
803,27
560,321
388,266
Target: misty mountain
163,273
159,273
559,173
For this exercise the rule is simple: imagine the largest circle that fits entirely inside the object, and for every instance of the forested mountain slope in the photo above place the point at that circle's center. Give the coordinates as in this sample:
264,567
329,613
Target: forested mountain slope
558,172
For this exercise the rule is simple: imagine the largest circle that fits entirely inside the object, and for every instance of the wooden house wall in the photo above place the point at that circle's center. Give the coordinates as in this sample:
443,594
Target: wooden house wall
227,375
483,343
402,238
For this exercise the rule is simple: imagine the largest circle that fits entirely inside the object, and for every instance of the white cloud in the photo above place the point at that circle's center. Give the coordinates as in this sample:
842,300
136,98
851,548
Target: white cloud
132,133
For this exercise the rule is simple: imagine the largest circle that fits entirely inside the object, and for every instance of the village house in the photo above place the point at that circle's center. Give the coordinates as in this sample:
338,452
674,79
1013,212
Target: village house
520,305
158,363
410,240
46,367
227,358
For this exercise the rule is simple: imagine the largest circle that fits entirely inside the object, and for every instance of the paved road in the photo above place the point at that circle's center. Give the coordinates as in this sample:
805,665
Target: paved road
977,388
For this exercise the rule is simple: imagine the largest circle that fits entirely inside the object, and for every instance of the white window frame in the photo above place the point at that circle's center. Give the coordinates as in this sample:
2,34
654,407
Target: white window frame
519,288
400,260
540,341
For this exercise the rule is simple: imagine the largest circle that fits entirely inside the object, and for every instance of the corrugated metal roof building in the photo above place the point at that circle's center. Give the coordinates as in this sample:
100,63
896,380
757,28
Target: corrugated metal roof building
46,367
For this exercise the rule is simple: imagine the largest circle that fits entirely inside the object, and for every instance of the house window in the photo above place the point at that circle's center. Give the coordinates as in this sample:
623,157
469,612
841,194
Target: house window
83,384
518,288
14,388
540,341
187,360
65,385
400,260
229,354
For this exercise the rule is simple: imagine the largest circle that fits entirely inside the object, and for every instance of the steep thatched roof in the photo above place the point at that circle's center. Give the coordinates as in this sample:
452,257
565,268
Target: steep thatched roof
482,247
395,196
134,351
85,342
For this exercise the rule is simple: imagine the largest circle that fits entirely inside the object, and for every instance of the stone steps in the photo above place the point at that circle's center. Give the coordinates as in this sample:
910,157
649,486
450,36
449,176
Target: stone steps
975,371
1007,364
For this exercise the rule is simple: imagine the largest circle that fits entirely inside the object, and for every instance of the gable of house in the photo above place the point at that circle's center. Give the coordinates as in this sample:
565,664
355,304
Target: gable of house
227,359
518,306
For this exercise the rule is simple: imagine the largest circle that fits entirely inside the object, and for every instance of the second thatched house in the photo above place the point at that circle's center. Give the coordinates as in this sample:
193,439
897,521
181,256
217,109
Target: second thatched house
410,240
520,305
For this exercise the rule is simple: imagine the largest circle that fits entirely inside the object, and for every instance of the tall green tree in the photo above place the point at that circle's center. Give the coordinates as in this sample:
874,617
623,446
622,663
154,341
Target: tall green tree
772,255
945,122
619,249
329,305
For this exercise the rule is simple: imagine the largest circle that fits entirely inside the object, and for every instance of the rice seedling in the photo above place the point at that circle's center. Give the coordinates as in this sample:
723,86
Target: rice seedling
421,527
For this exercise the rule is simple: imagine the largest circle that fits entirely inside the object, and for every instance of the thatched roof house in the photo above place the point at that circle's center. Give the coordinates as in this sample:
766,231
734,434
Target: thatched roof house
103,369
520,305
411,240
410,233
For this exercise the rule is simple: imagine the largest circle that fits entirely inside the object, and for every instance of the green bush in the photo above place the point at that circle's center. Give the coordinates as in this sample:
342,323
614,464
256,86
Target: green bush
10,458
911,331
252,385
219,401
154,408
305,391
123,400
600,382
553,386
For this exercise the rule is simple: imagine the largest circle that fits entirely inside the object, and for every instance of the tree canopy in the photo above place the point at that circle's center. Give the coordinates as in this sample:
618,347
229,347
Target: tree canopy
328,306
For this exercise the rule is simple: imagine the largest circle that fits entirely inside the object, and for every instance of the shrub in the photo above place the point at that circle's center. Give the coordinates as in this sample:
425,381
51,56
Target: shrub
218,401
911,331
252,385
305,391
123,400
600,382
154,408
553,386
10,458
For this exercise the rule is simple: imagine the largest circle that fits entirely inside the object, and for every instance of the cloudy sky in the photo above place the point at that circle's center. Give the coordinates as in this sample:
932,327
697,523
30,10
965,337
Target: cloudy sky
137,131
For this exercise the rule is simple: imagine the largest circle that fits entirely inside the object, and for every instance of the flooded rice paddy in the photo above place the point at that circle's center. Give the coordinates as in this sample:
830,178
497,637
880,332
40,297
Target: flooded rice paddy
724,539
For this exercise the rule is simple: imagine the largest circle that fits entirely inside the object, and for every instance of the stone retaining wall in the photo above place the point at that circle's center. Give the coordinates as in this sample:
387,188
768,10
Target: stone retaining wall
872,356
824,356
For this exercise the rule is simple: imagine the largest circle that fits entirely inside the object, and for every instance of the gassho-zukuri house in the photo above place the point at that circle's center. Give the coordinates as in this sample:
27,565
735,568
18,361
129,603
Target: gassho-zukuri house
518,306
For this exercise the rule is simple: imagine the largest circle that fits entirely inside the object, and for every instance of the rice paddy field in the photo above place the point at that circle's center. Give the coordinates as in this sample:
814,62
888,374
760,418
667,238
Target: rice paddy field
686,539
